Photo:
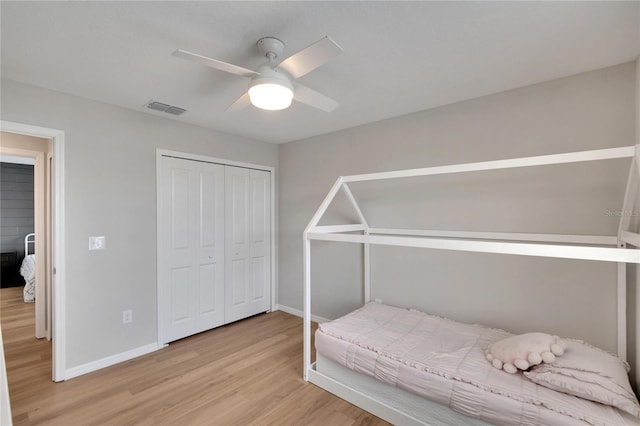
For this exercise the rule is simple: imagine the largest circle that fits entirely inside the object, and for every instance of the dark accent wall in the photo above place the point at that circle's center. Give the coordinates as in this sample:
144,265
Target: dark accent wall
16,206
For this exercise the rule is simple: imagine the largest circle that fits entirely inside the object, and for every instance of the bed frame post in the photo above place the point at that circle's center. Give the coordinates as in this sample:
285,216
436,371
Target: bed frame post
631,191
629,199
366,247
610,248
621,309
307,307
307,275
367,271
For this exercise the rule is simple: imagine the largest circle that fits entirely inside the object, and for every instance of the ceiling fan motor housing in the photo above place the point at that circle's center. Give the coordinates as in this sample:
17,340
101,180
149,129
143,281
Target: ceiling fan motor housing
267,45
269,75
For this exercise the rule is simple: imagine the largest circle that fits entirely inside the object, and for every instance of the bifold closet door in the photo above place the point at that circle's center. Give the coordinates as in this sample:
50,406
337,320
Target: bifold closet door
248,242
191,247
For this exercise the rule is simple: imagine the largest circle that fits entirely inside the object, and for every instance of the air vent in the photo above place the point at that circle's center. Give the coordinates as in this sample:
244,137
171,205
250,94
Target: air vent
170,109
175,110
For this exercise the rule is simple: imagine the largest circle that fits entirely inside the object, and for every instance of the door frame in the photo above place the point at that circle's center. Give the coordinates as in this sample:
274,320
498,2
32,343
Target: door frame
58,264
40,225
197,157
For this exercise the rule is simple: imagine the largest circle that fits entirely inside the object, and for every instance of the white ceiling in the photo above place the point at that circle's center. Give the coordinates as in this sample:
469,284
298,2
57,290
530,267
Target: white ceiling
399,57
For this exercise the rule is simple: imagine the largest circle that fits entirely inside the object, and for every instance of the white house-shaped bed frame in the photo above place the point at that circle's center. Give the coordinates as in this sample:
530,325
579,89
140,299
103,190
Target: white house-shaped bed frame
585,247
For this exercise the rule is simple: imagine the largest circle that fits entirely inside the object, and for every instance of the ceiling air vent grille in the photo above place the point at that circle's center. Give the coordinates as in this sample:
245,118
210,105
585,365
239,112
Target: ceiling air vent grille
169,109
175,110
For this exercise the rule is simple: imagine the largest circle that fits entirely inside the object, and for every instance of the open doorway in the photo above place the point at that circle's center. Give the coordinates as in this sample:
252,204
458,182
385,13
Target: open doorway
45,146
25,212
17,219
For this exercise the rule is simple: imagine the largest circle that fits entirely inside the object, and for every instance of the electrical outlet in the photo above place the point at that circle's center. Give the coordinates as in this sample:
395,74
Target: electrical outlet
127,316
377,300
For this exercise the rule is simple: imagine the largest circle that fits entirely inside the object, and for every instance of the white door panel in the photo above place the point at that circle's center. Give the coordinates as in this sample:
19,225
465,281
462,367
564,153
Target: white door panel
258,270
238,287
191,282
207,299
210,219
180,295
214,244
248,282
261,238
180,219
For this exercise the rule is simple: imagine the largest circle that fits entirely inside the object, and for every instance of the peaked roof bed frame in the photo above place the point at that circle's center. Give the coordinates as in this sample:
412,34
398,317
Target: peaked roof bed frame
585,247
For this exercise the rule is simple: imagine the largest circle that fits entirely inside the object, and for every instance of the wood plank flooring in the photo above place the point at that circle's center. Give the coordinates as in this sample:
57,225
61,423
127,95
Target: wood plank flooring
246,373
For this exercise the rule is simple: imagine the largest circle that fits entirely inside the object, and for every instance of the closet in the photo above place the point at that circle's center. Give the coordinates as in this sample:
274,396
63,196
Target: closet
214,245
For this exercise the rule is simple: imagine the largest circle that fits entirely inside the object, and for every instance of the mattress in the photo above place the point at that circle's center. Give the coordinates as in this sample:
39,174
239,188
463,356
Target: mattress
417,408
443,361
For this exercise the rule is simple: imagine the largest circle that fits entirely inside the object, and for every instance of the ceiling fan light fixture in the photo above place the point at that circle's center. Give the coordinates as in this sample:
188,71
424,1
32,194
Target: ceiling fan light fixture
271,86
273,92
270,96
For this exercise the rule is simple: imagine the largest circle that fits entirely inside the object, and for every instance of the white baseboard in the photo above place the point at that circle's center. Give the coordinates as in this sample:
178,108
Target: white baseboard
300,314
111,360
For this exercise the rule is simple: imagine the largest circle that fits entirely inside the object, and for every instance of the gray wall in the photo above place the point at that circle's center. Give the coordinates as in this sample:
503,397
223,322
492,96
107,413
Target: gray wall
572,298
16,206
110,183
110,178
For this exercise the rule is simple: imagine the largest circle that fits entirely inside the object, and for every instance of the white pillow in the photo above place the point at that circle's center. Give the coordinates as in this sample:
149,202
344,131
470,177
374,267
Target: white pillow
589,373
519,352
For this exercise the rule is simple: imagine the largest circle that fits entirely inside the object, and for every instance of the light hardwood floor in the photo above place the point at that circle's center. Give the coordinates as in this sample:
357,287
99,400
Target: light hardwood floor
249,372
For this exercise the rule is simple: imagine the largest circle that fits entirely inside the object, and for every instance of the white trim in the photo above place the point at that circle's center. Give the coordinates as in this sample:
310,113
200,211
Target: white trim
541,160
59,254
112,360
17,159
274,237
40,226
197,157
300,314
159,329
207,159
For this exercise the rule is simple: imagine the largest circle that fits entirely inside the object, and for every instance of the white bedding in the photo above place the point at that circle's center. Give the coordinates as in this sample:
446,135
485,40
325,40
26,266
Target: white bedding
28,272
443,360
417,408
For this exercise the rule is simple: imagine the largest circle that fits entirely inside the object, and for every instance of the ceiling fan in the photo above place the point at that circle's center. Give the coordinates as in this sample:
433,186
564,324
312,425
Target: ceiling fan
273,87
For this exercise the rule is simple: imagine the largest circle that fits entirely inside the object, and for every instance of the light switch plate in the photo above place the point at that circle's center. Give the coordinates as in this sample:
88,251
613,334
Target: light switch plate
97,243
127,316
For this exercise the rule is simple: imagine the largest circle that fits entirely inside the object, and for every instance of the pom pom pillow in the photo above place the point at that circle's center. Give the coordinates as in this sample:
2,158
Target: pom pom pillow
523,351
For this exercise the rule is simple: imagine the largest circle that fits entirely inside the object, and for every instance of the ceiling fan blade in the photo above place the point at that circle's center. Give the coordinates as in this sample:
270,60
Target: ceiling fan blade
311,57
312,98
241,103
214,63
